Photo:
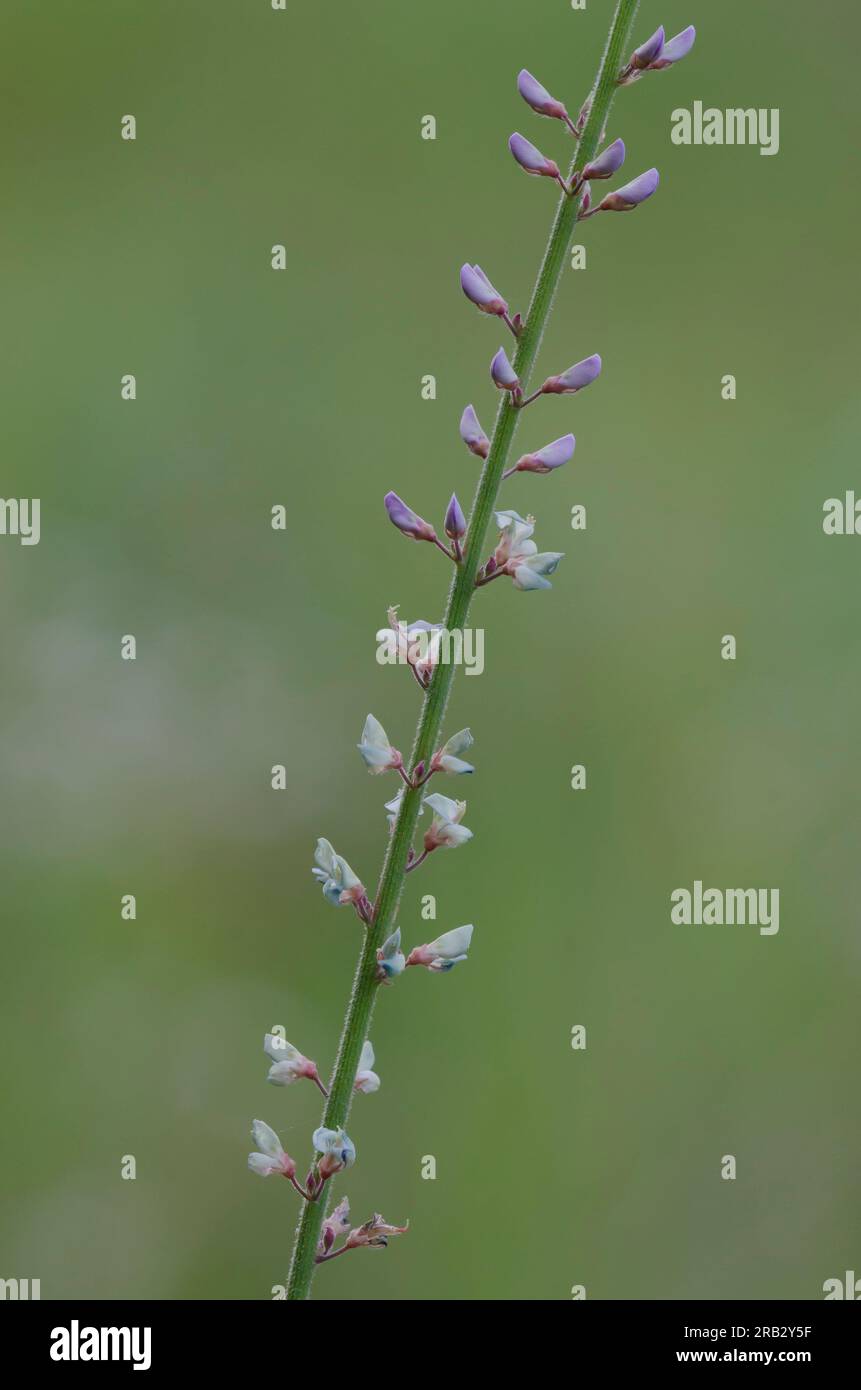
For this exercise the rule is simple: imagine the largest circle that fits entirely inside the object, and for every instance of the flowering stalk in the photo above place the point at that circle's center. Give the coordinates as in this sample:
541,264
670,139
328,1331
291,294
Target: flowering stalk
381,958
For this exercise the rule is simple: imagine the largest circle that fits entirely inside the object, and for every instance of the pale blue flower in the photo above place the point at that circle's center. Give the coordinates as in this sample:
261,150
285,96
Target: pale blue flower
340,885
446,952
446,758
390,957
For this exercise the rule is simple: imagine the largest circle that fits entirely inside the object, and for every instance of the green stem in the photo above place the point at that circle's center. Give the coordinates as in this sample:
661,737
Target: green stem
365,986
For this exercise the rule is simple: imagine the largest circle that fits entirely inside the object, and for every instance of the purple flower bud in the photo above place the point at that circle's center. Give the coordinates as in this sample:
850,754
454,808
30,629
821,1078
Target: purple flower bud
580,375
631,195
531,159
455,521
550,457
677,48
472,434
478,288
648,51
585,200
606,165
538,97
504,375
406,519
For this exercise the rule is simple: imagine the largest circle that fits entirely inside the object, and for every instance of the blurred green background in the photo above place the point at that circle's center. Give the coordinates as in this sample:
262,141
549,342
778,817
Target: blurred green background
256,647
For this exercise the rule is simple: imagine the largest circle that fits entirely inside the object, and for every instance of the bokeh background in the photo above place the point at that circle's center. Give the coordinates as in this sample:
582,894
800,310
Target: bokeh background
256,647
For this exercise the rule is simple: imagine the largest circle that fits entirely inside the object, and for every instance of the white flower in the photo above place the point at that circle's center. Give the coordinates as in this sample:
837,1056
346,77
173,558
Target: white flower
337,1149
288,1063
377,753
390,957
446,831
417,644
271,1158
446,759
517,554
340,884
367,1080
444,953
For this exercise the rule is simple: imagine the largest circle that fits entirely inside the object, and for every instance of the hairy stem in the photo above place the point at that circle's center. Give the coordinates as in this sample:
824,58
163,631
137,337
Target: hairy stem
365,986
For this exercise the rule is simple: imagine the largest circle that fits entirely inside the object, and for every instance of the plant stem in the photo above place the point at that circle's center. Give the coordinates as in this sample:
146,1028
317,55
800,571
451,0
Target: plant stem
365,985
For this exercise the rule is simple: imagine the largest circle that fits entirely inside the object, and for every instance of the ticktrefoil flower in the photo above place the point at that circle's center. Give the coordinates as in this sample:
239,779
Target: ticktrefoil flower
472,434
631,195
447,759
288,1063
390,958
446,952
446,832
503,374
518,555
480,291
377,753
367,1080
335,1148
340,885
538,97
546,459
271,1158
531,159
605,165
575,378
406,520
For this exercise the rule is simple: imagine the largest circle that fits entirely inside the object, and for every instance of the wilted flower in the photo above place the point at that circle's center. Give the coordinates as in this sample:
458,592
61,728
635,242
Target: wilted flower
503,374
288,1064
390,957
546,459
518,554
538,97
455,521
480,291
336,1150
417,644
531,159
675,49
444,953
271,1158
446,759
340,884
607,163
407,520
377,753
472,434
367,1080
446,831
374,1233
337,1224
631,194
580,375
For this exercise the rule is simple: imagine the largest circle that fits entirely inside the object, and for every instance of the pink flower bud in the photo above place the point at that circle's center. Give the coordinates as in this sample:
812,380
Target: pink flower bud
648,51
480,291
472,434
580,375
606,165
406,519
455,521
550,457
538,97
675,49
503,374
531,159
631,195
